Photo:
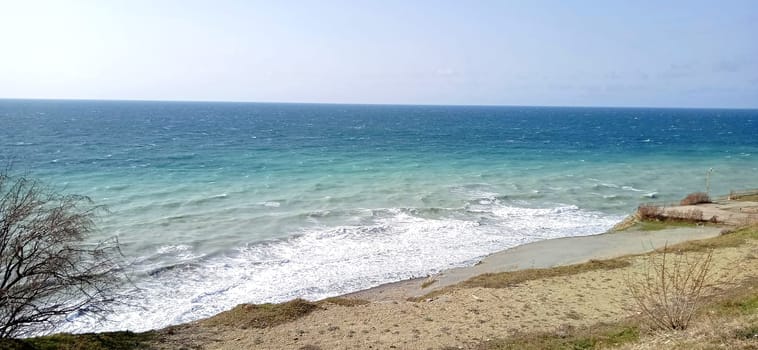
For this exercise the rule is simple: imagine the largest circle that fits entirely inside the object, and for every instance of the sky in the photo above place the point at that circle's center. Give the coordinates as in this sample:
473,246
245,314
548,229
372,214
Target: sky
547,53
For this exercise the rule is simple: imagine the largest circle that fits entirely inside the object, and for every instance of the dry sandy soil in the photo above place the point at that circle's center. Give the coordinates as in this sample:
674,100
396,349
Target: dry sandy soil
463,317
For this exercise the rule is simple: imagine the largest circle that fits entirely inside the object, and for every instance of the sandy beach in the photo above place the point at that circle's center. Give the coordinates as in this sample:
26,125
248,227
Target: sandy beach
543,254
458,315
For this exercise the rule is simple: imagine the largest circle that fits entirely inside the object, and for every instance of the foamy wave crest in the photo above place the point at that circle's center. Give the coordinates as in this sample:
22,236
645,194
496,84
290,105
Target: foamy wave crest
328,261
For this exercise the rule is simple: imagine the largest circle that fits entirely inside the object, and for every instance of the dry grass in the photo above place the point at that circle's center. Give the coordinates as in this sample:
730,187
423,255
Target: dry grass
725,320
695,198
729,239
264,315
428,282
625,224
342,301
513,278
88,341
747,196
661,225
595,337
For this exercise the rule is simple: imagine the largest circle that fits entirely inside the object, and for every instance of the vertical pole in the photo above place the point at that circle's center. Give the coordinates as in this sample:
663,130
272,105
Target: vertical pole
708,181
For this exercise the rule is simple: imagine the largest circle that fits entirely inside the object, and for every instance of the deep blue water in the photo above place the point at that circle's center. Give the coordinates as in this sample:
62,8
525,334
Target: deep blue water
222,203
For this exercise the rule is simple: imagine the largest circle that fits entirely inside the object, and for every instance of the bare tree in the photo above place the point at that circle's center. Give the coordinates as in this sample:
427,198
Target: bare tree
47,269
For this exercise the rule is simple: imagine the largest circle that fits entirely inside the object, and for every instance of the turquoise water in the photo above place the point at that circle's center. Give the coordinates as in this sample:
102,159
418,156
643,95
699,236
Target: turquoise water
217,204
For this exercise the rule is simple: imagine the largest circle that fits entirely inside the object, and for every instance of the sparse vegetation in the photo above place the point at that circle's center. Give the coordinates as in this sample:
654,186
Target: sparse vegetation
733,312
263,315
689,215
270,315
656,217
428,282
88,341
672,288
650,212
595,337
662,225
749,332
731,239
512,278
738,301
696,198
746,196
342,301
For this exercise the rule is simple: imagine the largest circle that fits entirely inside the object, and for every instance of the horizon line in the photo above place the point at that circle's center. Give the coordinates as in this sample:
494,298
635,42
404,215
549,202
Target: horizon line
359,103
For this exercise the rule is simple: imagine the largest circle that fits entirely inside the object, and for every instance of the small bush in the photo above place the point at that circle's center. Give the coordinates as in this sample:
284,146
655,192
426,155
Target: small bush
686,215
695,198
672,288
650,212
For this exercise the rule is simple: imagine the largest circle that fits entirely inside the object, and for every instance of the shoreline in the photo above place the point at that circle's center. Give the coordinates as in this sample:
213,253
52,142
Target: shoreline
565,251
538,255
556,296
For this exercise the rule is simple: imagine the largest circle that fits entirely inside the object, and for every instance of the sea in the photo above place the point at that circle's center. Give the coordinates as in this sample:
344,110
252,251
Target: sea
217,204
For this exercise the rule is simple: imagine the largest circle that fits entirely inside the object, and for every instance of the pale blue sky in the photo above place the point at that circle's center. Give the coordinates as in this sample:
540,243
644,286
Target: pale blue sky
570,53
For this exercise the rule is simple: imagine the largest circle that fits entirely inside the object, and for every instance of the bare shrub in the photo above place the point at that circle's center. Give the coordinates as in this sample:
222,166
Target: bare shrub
696,198
748,220
686,215
650,212
671,288
47,271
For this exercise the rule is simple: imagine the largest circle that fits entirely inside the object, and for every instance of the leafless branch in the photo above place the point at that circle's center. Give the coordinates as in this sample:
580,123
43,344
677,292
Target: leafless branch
47,271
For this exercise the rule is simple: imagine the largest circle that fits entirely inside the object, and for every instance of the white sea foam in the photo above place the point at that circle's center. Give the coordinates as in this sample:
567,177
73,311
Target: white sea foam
328,261
630,188
173,249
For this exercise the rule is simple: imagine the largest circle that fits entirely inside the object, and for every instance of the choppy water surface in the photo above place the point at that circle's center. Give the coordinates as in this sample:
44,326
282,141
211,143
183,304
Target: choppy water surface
217,204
